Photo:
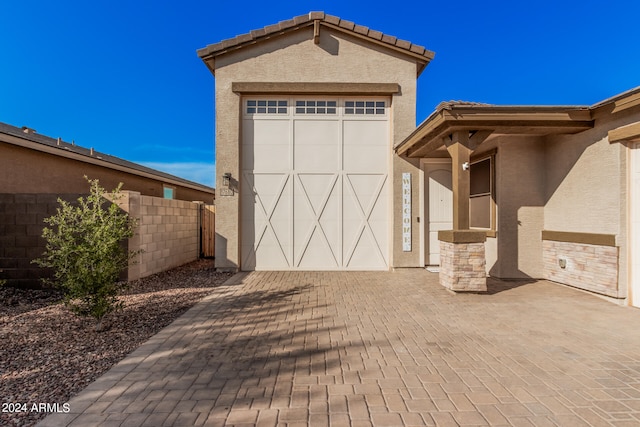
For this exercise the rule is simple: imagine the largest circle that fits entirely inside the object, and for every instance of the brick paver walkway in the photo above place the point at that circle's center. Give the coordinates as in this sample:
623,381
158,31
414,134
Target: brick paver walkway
377,349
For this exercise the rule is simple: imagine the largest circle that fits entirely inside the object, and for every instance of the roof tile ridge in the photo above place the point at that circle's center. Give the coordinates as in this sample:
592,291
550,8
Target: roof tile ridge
311,17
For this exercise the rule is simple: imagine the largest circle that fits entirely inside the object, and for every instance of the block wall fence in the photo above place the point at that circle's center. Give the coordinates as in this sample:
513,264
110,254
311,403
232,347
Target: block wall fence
21,224
168,233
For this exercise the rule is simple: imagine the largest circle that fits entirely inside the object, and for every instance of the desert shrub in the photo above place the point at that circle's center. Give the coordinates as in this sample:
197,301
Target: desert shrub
84,247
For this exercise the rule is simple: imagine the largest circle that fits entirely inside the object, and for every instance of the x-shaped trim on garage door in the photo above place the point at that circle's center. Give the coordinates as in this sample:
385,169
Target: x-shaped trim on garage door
316,220
365,215
267,213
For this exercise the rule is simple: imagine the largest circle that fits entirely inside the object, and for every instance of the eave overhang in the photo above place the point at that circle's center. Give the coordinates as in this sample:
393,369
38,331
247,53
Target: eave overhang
628,133
621,102
483,119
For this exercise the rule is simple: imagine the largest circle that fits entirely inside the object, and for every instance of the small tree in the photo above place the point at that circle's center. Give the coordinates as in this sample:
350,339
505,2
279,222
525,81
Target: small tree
84,249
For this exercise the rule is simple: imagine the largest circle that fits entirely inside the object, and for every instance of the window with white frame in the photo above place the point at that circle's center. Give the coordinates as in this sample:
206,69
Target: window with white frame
267,106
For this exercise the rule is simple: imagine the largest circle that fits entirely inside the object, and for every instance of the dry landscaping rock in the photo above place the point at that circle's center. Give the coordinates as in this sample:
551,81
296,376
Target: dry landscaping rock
48,354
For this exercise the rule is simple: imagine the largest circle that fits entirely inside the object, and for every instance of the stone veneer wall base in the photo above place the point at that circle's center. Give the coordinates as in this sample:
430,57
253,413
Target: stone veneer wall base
589,267
462,266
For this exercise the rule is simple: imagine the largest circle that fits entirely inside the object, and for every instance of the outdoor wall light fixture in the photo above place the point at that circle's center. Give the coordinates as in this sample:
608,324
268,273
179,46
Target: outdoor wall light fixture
465,166
562,262
226,179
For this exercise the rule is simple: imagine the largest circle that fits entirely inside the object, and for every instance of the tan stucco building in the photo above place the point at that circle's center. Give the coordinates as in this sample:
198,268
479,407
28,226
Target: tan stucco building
37,170
294,166
32,163
560,194
321,167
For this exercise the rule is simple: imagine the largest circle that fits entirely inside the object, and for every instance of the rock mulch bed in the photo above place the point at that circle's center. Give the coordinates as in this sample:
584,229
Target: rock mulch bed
47,354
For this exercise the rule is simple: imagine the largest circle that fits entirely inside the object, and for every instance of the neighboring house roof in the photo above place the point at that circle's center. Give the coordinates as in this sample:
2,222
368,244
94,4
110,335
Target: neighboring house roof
28,138
486,119
316,20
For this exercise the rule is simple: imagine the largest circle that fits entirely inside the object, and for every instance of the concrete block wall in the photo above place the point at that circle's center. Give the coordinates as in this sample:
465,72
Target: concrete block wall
167,233
21,225
462,266
590,267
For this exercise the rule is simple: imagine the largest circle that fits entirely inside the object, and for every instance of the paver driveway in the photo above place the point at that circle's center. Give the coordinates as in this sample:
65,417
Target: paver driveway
377,349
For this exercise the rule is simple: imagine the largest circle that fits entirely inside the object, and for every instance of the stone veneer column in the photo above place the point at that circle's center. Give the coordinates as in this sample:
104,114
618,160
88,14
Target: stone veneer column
462,260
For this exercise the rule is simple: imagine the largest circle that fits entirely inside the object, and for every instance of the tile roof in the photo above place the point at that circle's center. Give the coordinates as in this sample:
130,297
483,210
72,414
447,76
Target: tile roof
447,105
308,20
106,160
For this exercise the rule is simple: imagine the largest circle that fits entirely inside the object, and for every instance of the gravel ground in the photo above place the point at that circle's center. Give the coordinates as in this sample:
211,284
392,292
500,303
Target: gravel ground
47,354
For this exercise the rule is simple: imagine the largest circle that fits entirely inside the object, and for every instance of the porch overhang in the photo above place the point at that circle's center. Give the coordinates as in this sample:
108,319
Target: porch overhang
628,133
480,121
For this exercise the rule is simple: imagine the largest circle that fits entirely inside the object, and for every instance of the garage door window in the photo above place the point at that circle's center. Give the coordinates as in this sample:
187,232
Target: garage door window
316,107
364,107
267,106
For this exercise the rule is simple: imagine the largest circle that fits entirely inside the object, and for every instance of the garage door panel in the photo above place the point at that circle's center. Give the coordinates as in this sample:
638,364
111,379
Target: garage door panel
366,189
365,253
372,159
316,219
316,254
366,133
365,196
265,228
316,189
330,221
266,145
370,137
351,220
269,254
316,145
380,209
268,188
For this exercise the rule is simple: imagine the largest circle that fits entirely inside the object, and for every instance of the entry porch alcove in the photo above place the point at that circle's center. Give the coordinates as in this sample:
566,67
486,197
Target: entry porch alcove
456,130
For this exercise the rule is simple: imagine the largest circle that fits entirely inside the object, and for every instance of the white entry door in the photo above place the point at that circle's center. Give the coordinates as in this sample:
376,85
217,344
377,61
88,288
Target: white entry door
634,259
439,207
315,184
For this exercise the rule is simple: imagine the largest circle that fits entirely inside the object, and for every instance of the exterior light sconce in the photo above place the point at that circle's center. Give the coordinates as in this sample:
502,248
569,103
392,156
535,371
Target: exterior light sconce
226,179
465,166
562,262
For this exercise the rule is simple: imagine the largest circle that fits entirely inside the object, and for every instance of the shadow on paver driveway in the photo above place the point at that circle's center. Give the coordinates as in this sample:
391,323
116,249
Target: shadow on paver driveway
372,349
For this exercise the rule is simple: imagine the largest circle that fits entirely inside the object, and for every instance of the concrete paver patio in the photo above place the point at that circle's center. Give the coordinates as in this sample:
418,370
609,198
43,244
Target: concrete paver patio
377,349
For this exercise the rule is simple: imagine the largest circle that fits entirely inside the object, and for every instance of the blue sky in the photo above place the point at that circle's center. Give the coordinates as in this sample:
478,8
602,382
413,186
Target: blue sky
123,76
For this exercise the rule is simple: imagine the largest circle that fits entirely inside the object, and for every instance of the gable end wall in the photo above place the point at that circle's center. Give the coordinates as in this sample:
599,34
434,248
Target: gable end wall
295,58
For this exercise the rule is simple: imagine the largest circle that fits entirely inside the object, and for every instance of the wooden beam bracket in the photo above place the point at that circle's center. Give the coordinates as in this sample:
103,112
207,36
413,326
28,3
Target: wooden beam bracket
478,137
316,31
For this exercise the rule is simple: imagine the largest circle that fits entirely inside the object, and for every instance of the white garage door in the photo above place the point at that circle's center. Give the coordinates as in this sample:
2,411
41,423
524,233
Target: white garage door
315,185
